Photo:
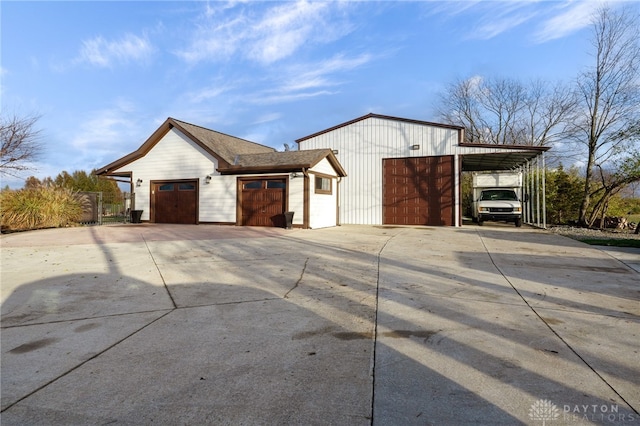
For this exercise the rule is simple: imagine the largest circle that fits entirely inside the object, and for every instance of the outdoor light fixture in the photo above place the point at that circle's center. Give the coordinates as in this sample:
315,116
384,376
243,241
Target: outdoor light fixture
335,151
207,179
294,175
414,147
139,182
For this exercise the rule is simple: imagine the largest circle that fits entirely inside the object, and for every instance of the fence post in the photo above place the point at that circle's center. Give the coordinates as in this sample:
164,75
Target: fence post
99,208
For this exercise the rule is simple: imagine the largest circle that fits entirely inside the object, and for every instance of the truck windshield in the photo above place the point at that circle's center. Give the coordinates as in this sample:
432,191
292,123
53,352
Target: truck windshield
498,194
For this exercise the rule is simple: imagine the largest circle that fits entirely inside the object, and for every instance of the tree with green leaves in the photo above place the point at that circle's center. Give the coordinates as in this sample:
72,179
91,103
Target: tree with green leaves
79,181
564,190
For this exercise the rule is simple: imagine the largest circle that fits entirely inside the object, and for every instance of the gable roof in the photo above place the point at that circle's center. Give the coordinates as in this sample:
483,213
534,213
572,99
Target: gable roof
221,146
384,117
286,161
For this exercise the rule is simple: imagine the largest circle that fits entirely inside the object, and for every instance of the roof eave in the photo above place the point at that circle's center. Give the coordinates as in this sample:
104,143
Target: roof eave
236,170
384,117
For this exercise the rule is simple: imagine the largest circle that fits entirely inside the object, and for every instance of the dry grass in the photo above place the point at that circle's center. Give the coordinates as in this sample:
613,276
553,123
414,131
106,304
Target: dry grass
38,208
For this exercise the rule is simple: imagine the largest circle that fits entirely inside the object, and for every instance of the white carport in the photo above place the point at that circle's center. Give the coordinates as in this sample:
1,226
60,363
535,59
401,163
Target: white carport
529,160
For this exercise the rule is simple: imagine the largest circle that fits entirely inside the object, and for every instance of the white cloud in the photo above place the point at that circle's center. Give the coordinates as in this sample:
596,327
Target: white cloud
276,97
304,81
264,34
500,24
208,93
108,129
107,53
545,20
577,16
308,76
286,28
266,118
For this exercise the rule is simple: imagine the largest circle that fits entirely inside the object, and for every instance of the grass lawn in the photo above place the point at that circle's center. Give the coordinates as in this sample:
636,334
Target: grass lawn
611,242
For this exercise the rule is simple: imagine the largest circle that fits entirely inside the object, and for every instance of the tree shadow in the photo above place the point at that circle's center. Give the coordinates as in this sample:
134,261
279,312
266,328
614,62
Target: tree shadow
287,334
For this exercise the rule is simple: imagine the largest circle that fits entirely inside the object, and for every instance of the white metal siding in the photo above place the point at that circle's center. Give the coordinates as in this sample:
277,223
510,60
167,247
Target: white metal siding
362,146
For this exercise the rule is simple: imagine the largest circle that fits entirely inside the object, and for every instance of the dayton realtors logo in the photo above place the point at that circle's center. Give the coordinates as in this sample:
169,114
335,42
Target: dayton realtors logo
545,411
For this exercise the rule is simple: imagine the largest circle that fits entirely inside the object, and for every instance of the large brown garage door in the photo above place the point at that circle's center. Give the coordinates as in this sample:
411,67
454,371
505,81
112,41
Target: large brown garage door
175,202
418,191
263,202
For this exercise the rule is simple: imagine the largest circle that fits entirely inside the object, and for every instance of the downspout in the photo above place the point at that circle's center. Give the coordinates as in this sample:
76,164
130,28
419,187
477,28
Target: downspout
338,200
306,196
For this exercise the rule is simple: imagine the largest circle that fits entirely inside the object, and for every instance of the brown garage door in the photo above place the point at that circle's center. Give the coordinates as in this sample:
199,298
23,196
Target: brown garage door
175,202
263,202
418,191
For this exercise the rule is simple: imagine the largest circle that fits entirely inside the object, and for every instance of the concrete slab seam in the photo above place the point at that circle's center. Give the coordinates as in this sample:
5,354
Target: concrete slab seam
84,362
375,328
120,314
164,283
631,268
552,330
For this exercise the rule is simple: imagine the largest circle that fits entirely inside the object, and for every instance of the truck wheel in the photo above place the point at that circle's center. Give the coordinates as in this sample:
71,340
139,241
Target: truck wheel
480,222
518,223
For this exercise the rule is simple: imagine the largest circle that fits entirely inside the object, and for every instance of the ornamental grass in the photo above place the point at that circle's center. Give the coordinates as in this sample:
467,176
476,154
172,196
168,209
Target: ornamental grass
38,208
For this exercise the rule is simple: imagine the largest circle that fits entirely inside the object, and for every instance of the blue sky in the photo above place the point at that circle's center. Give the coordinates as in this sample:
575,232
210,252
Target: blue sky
104,75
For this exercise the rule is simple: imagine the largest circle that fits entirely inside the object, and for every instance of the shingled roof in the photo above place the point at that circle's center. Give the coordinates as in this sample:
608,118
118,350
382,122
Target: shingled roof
287,161
223,147
226,146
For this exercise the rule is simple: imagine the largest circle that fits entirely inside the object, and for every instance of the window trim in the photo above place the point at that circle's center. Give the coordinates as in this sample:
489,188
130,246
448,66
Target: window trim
318,178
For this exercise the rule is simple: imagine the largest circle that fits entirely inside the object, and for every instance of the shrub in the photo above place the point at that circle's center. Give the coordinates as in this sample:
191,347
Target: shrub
38,208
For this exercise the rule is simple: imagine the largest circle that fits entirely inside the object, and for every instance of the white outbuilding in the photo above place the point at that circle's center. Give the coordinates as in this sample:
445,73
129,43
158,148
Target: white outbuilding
407,172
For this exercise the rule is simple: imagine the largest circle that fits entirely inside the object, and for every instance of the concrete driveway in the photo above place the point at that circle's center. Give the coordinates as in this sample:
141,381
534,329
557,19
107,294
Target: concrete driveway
353,325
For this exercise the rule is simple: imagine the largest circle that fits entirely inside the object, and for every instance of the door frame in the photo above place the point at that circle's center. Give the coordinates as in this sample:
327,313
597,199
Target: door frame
152,198
239,188
440,160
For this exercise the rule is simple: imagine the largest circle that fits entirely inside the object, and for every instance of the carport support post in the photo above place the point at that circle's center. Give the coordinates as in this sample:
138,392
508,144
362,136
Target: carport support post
456,192
537,192
544,191
528,188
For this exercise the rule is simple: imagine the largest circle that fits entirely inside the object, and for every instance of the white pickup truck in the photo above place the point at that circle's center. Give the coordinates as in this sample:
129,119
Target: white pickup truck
497,197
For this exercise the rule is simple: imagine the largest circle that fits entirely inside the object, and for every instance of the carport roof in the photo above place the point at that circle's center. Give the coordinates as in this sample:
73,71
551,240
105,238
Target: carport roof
498,157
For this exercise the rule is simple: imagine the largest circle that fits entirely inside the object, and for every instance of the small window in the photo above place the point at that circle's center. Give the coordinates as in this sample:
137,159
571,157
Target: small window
276,184
257,184
186,187
166,187
323,185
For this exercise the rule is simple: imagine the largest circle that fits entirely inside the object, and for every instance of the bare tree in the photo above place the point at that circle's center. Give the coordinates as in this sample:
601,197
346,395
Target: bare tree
507,111
20,143
610,99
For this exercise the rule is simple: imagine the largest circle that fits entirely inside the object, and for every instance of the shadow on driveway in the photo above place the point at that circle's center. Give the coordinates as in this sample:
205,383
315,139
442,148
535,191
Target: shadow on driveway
347,325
